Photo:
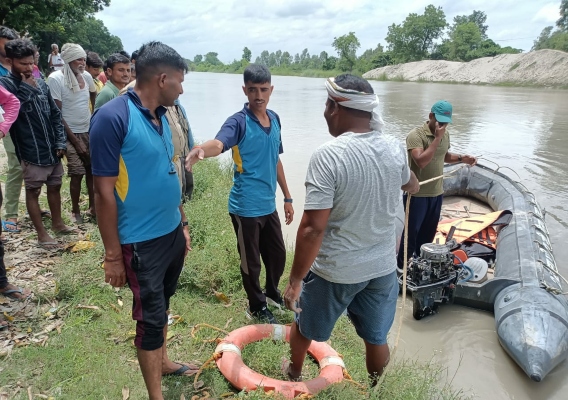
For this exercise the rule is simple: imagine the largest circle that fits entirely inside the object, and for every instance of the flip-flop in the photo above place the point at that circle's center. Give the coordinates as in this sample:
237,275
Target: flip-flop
49,245
45,214
6,224
11,292
181,371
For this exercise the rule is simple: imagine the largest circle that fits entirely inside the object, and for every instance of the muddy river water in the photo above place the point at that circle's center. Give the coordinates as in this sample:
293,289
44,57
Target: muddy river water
523,129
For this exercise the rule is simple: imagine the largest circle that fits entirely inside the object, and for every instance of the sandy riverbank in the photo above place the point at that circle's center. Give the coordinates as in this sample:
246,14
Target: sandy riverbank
539,68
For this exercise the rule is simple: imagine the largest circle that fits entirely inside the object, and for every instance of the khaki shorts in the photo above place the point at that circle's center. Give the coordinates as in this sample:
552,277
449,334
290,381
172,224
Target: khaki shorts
76,166
35,176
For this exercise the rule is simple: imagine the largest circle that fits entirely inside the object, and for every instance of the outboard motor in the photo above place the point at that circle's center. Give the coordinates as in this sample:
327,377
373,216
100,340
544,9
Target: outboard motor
432,277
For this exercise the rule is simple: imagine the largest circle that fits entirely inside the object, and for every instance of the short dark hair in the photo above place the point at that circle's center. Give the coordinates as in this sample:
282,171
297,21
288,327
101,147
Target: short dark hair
124,53
256,73
20,48
134,55
155,55
7,33
116,58
352,82
94,60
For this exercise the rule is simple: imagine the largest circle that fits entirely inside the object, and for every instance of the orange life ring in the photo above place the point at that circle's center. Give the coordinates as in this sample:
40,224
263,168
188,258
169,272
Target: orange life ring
242,377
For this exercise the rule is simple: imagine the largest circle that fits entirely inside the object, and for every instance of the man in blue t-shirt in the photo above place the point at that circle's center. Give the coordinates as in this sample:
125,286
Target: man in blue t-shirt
253,135
142,224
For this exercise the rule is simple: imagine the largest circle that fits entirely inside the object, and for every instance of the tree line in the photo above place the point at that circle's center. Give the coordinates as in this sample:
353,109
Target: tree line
426,36
62,21
555,39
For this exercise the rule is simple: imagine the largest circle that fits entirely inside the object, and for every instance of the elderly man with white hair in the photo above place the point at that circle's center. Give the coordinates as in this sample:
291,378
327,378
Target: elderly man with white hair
345,248
72,88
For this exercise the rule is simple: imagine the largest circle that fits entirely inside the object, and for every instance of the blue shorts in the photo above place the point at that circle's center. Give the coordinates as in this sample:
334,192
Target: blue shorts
370,305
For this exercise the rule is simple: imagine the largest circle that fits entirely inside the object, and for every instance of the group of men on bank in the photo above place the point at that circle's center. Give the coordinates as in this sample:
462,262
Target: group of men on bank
46,121
345,257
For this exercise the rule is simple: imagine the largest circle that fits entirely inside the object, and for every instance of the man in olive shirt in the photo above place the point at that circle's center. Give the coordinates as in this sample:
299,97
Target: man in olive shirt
118,72
428,147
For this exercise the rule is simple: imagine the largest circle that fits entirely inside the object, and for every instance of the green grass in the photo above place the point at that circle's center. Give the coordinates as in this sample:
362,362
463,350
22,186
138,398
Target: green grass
93,357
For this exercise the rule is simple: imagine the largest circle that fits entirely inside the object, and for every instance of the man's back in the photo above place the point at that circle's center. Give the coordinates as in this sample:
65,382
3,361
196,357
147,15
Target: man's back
359,177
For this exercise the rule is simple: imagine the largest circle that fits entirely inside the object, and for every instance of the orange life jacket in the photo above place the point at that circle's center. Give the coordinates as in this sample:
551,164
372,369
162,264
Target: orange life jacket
476,229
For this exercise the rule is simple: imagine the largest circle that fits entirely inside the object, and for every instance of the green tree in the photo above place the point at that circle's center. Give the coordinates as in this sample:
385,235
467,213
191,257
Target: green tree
34,16
211,58
90,33
414,39
562,23
371,59
247,54
286,59
557,40
477,17
198,59
464,40
346,47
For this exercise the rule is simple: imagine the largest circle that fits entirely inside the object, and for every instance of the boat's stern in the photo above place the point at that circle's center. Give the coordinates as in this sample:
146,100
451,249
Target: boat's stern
532,325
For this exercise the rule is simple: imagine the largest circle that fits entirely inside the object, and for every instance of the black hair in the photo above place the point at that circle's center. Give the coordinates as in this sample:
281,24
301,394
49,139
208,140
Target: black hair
352,82
154,56
256,73
7,33
94,60
134,55
20,48
116,58
105,65
124,53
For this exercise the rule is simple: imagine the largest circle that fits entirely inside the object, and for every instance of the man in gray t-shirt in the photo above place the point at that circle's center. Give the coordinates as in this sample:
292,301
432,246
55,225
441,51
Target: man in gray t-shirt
346,243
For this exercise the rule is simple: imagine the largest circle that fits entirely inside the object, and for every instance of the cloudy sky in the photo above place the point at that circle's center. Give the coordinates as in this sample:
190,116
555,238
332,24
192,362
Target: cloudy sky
227,26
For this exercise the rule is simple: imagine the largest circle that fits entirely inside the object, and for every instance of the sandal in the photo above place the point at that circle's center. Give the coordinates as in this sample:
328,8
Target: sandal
14,226
181,371
12,294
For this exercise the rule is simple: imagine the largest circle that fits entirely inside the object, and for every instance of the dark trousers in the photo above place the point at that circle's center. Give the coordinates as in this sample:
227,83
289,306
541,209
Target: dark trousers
3,277
260,237
424,215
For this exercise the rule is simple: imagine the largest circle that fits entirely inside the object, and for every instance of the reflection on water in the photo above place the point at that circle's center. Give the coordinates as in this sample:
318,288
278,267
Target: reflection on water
520,129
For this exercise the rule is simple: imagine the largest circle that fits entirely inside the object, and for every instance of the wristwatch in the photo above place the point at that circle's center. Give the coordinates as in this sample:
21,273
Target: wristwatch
184,223
459,157
288,201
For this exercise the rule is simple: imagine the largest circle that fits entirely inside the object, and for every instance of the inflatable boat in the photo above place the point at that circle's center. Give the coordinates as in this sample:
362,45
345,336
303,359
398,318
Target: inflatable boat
516,277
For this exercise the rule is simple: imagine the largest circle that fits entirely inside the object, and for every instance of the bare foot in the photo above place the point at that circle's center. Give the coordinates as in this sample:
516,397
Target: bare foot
76,218
63,229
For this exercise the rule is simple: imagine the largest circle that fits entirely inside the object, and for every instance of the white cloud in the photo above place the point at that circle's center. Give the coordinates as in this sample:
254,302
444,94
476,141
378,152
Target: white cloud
548,14
227,26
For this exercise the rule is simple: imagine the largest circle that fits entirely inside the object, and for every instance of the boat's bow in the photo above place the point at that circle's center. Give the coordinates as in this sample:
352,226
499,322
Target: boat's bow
532,325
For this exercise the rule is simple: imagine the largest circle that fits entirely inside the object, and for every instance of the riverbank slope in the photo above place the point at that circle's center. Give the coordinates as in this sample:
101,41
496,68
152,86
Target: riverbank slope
535,68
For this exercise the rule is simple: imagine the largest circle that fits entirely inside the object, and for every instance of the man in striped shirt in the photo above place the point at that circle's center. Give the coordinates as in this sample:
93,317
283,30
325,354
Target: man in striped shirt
39,138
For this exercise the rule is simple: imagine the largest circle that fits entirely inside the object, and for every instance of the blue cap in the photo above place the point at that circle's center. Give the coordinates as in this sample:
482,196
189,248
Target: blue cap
442,111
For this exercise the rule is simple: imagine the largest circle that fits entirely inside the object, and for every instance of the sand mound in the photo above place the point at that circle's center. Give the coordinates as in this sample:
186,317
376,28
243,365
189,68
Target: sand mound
542,67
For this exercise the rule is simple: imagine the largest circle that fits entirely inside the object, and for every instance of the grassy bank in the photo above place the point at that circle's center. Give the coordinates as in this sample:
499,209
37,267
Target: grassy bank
92,357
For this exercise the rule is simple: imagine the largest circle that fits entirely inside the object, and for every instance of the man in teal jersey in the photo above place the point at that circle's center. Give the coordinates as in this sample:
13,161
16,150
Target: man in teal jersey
253,135
146,237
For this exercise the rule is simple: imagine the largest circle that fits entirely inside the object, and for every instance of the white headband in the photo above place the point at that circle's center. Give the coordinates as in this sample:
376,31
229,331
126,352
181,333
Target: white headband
356,100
